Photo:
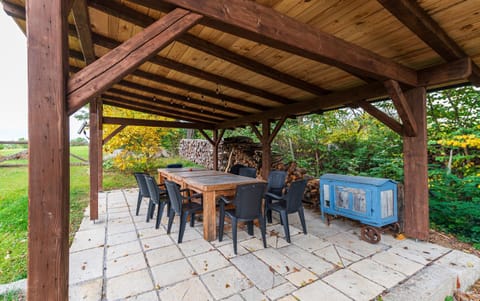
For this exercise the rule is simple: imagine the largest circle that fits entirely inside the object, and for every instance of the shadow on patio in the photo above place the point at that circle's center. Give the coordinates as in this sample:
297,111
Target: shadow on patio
123,257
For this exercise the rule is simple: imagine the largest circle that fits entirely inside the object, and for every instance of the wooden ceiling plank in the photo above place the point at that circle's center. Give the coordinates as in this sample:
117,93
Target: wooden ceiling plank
104,72
267,26
198,73
137,18
381,116
249,64
335,99
82,23
193,111
403,109
153,123
414,17
122,102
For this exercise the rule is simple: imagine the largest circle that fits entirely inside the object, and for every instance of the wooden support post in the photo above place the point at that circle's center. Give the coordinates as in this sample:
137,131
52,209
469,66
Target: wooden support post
217,138
94,158
266,149
100,143
416,219
48,136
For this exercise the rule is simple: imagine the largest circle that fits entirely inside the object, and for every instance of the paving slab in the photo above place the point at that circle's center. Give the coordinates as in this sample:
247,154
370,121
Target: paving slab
252,294
87,239
225,282
191,289
277,261
172,272
122,250
194,247
319,290
301,277
465,266
120,238
86,291
355,286
149,296
309,242
419,251
354,244
86,265
227,250
155,242
377,273
280,290
151,231
397,263
163,255
129,285
338,256
311,262
207,262
125,264
256,270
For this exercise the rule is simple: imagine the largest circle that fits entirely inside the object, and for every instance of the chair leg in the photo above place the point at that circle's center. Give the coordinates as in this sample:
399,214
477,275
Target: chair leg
301,214
250,228
150,204
192,219
171,216
263,230
183,223
234,235
152,211
139,202
159,214
284,216
268,212
221,221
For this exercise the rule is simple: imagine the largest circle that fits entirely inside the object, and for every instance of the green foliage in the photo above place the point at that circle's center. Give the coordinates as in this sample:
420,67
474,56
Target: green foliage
13,296
78,141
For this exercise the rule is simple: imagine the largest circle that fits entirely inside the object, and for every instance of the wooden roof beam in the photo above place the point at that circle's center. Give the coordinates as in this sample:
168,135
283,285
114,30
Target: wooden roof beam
180,109
154,123
403,109
253,21
14,11
113,134
125,103
335,99
198,73
97,77
82,23
414,17
137,18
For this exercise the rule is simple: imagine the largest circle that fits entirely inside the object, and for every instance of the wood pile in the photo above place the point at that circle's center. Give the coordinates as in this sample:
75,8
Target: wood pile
242,150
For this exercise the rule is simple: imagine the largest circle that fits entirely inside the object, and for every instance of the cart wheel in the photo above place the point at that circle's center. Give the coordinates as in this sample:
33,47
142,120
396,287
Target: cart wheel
370,234
395,228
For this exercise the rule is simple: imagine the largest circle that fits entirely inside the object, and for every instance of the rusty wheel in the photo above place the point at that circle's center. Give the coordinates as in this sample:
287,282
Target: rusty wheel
395,228
370,234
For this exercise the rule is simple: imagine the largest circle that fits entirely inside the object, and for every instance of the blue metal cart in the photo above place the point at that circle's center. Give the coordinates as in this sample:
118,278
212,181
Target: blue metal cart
371,201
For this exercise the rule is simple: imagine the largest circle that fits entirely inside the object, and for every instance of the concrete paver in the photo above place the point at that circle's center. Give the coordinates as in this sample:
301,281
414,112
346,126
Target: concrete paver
329,263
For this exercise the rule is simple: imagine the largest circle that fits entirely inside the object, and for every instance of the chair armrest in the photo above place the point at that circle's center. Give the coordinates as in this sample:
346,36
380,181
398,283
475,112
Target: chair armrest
274,196
225,200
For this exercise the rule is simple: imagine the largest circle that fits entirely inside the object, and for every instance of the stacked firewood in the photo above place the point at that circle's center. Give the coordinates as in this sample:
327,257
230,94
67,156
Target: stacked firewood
242,150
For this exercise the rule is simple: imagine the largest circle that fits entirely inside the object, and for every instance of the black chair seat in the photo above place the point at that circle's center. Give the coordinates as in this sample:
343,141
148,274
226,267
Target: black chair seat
290,202
276,184
157,197
248,207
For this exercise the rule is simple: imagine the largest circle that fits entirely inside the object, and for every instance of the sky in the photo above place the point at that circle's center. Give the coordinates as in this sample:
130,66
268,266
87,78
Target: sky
13,83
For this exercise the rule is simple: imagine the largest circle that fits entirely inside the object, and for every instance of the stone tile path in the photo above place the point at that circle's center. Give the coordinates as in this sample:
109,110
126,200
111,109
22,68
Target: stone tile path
121,257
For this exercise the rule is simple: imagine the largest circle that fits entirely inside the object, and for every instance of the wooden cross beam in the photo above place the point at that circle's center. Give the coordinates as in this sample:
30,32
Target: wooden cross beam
256,22
154,123
381,116
403,109
113,134
82,23
110,68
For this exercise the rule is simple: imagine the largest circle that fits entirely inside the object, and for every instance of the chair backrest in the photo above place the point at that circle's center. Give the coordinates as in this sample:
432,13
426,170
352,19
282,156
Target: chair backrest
142,184
153,189
248,172
175,196
276,181
294,195
175,165
235,169
248,200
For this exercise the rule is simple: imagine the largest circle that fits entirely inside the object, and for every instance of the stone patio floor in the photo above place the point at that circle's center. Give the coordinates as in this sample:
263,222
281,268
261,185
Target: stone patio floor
122,257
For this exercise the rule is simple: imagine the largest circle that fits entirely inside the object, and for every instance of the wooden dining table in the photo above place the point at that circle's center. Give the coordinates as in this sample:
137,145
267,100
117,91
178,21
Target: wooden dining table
211,184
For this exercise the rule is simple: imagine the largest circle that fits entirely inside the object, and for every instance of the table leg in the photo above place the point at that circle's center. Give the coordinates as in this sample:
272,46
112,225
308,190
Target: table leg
209,216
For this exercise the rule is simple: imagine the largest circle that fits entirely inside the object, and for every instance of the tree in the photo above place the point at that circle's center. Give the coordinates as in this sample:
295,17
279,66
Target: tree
136,147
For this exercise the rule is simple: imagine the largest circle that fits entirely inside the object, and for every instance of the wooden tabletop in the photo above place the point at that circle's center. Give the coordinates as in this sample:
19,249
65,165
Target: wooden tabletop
219,182
181,176
181,169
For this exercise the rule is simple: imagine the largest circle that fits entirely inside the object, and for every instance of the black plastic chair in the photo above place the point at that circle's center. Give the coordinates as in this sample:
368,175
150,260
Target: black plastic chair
248,207
276,184
157,197
142,189
177,206
235,169
290,202
248,172
175,165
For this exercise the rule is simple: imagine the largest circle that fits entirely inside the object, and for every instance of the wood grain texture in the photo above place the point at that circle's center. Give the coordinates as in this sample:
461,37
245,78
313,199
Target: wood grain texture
94,156
99,76
152,123
403,108
48,136
381,116
416,219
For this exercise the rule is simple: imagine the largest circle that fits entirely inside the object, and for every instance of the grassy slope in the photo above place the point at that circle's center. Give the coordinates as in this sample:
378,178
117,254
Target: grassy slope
14,210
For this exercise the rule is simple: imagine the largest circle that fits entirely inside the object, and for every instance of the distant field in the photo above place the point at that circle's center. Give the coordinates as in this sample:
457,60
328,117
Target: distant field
80,151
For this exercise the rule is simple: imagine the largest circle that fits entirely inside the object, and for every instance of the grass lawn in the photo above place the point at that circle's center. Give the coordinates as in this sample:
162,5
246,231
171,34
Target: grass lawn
14,210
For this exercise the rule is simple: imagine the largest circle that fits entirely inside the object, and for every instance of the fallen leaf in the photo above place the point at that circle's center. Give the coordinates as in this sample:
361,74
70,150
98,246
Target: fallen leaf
271,269
287,268
295,269
227,285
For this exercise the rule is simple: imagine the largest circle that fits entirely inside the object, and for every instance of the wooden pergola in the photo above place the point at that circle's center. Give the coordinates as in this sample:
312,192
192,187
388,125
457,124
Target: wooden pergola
215,65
